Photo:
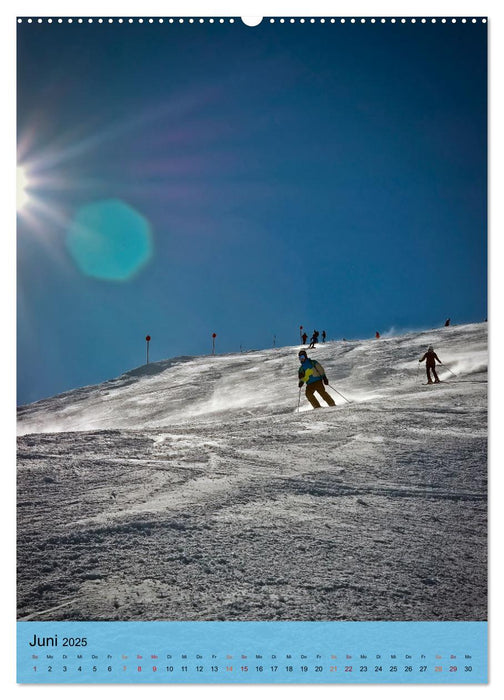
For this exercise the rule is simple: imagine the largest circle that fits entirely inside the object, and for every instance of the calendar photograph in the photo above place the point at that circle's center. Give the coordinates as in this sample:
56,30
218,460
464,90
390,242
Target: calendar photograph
252,344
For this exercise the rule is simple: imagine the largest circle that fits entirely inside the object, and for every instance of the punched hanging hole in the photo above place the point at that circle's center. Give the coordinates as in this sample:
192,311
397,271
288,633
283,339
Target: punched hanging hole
251,21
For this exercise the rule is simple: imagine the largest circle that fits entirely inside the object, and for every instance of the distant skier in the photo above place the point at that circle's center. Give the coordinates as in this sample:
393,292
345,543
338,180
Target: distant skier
313,340
304,338
312,374
377,335
447,322
323,336
431,357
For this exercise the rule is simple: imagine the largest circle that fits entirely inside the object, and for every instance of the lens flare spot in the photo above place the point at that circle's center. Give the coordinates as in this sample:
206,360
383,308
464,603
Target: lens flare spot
109,240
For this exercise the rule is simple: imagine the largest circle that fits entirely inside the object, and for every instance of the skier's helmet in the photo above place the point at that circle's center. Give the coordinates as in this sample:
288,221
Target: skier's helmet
430,349
302,355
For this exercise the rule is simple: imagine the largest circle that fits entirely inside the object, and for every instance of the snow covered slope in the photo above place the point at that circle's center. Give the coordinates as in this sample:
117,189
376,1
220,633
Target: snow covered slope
183,389
193,489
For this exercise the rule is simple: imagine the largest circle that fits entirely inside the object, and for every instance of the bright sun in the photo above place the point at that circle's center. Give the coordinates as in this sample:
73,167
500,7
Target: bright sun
22,185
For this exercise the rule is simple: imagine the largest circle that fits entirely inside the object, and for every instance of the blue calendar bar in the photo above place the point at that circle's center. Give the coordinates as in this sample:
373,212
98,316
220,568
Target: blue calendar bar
252,652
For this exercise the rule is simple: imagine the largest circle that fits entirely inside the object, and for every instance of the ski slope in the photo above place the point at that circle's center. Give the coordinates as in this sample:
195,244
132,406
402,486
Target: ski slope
194,489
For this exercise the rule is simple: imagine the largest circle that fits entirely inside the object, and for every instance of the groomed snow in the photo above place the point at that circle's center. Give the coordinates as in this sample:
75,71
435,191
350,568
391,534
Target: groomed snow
193,489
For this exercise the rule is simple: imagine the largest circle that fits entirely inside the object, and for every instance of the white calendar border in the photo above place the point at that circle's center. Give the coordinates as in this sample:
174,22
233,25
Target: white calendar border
256,8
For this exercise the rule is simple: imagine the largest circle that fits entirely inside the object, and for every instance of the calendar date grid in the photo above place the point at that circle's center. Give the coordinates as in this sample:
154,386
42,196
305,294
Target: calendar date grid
252,664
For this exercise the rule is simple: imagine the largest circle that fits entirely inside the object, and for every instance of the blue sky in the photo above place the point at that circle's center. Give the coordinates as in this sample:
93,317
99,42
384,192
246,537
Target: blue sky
332,176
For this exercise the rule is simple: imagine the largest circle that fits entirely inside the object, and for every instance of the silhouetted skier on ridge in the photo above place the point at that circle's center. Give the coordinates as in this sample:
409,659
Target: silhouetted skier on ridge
314,339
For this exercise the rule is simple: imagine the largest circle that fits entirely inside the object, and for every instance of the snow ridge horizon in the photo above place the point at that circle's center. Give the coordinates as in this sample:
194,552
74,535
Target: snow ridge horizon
183,388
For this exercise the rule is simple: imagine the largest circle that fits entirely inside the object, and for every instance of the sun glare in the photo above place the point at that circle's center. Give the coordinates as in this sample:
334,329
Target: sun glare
22,185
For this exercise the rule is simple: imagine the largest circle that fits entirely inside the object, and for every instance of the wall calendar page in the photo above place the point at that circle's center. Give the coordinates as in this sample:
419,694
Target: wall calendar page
252,349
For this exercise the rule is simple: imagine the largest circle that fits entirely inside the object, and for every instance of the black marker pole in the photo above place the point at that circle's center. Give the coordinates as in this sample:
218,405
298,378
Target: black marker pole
147,338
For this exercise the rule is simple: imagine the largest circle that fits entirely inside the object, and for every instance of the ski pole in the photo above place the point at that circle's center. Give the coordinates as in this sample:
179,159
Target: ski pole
449,370
299,400
338,392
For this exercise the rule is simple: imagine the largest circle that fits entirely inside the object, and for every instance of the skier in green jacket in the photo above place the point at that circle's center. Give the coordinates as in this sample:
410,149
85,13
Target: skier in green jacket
312,374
